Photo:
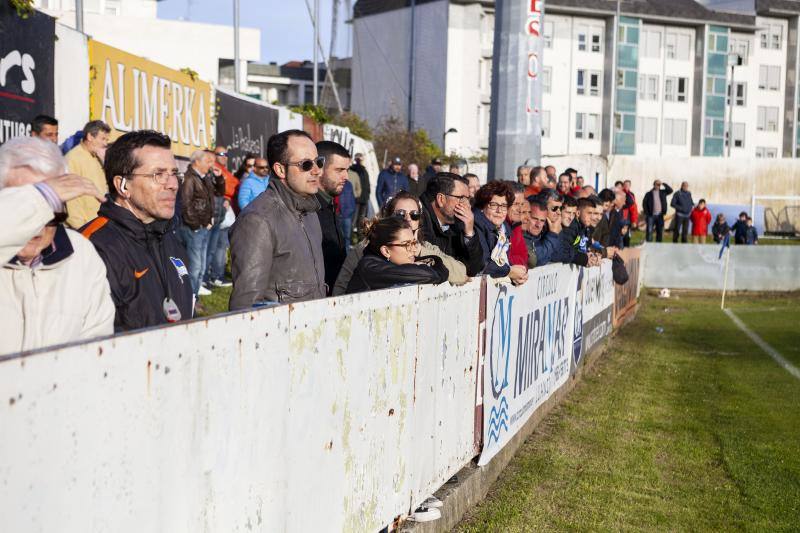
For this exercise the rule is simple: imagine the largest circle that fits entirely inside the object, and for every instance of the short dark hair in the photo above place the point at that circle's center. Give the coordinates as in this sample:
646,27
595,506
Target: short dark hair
537,204
383,231
469,175
120,158
607,195
93,127
278,145
549,194
39,121
589,201
701,201
445,183
330,148
565,173
570,170
491,189
743,214
569,201
618,182
516,186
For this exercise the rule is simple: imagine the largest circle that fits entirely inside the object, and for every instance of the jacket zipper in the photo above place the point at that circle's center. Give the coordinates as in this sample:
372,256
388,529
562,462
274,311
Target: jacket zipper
310,247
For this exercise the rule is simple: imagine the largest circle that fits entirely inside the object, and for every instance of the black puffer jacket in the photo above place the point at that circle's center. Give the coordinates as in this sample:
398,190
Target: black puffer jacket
374,273
451,241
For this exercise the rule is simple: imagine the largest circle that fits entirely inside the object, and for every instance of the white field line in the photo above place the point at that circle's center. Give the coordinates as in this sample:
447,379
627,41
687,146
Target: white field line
772,352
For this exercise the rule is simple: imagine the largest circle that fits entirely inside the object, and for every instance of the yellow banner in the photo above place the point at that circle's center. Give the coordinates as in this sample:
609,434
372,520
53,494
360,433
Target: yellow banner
131,93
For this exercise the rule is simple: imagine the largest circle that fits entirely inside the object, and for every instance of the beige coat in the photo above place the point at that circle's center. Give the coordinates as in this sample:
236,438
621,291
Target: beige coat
82,162
66,301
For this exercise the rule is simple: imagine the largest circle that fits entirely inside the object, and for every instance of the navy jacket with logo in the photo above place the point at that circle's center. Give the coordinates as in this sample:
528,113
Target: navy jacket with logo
144,262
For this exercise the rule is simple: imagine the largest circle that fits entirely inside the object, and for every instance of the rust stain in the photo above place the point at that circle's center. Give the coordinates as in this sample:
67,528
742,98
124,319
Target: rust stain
391,412
149,365
99,351
329,445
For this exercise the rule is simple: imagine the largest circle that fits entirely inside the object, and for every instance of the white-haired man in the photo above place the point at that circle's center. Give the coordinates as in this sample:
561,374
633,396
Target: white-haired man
53,286
197,213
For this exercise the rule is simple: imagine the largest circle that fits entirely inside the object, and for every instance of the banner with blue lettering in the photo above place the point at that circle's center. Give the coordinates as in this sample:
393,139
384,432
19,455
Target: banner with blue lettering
593,318
528,349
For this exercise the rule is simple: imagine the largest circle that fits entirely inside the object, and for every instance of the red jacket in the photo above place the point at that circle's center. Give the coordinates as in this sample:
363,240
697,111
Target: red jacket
517,251
700,221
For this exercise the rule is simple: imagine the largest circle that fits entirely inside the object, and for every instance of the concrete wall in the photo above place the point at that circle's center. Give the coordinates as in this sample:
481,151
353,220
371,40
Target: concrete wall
697,266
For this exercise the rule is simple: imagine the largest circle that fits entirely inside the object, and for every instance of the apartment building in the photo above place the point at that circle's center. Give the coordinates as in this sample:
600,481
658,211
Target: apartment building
658,86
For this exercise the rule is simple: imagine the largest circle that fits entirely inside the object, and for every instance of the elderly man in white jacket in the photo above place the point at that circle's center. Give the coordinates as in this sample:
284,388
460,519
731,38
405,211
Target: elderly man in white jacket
53,285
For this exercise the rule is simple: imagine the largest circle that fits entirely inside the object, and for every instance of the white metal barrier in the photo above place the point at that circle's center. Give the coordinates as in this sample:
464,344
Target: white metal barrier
332,415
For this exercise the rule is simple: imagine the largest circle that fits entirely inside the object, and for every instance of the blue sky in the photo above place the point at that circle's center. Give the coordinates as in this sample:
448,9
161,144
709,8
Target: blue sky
286,31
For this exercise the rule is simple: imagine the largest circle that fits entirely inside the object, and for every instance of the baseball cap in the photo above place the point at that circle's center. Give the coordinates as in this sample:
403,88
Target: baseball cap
397,161
436,161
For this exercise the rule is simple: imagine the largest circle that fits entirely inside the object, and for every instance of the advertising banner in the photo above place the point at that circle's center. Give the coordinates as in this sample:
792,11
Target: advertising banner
597,290
130,93
528,349
27,52
244,125
625,295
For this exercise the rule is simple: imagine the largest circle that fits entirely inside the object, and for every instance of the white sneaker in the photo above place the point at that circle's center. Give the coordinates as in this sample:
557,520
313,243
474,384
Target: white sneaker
432,501
203,291
426,514
221,283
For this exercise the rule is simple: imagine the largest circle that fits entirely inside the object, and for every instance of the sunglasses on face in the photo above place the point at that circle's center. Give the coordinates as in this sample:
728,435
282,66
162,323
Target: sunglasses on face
555,208
222,154
262,167
413,215
307,164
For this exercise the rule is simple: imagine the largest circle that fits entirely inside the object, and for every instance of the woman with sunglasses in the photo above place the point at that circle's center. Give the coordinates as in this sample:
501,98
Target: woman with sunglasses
492,202
391,259
405,206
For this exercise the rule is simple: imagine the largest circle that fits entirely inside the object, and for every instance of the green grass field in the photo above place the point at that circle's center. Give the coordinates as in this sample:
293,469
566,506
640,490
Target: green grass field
694,428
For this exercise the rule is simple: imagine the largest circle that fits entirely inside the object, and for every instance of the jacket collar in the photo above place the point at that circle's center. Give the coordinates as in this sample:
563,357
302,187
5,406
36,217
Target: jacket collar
295,202
132,225
324,199
484,223
59,250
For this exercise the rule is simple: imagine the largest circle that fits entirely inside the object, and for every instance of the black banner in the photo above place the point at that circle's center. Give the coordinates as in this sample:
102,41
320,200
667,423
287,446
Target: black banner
243,126
27,49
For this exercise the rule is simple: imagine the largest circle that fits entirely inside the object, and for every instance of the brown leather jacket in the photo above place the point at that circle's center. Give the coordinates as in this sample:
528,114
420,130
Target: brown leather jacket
197,200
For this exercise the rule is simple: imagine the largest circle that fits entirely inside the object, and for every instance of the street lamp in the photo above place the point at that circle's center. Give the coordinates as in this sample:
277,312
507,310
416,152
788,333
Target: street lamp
734,60
444,138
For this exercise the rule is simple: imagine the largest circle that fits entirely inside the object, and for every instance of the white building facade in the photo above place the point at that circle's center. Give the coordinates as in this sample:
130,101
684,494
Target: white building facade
133,26
656,88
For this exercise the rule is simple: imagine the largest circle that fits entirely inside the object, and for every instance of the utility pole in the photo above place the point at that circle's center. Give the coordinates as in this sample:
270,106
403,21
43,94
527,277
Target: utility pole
316,54
236,67
614,84
733,60
79,15
411,69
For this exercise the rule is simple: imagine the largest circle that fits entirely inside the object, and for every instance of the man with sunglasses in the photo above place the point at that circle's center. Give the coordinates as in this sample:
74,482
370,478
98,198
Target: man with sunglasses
255,183
449,223
276,243
134,233
53,286
332,182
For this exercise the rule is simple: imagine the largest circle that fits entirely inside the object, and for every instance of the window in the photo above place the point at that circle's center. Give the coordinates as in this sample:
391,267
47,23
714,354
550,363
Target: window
594,83
738,135
767,119
739,96
582,38
768,153
646,130
586,125
548,35
596,45
581,82
547,77
675,89
716,86
546,124
772,37
112,7
650,44
769,77
648,87
675,131
741,47
677,45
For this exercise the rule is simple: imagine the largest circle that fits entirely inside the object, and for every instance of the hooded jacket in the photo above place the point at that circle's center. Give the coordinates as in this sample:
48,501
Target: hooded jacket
451,241
276,249
64,298
145,264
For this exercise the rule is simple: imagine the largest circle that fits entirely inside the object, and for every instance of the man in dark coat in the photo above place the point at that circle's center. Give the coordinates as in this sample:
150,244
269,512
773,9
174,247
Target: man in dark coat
332,181
655,207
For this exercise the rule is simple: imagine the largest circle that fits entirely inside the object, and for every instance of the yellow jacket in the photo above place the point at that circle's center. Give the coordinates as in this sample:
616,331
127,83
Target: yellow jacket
84,163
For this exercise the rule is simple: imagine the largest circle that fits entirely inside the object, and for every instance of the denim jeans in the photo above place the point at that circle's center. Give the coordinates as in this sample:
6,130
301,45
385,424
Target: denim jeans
218,255
346,227
655,222
196,246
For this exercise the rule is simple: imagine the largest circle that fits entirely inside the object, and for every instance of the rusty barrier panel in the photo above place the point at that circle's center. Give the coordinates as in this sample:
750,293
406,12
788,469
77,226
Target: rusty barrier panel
331,415
625,295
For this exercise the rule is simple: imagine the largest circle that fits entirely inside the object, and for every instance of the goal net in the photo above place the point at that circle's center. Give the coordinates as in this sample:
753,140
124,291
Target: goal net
781,214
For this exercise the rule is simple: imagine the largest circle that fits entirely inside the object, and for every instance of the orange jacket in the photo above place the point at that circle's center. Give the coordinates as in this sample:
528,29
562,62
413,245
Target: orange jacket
231,182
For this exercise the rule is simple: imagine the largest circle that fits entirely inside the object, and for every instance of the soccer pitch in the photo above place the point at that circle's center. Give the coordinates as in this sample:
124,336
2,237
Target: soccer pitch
691,428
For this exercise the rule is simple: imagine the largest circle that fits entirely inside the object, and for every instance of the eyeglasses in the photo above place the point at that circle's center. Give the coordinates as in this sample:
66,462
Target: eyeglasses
459,199
410,246
307,164
221,154
494,206
161,177
555,208
261,167
413,215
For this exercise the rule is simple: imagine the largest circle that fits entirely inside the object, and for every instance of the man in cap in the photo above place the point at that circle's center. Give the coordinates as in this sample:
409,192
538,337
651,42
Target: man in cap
390,181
